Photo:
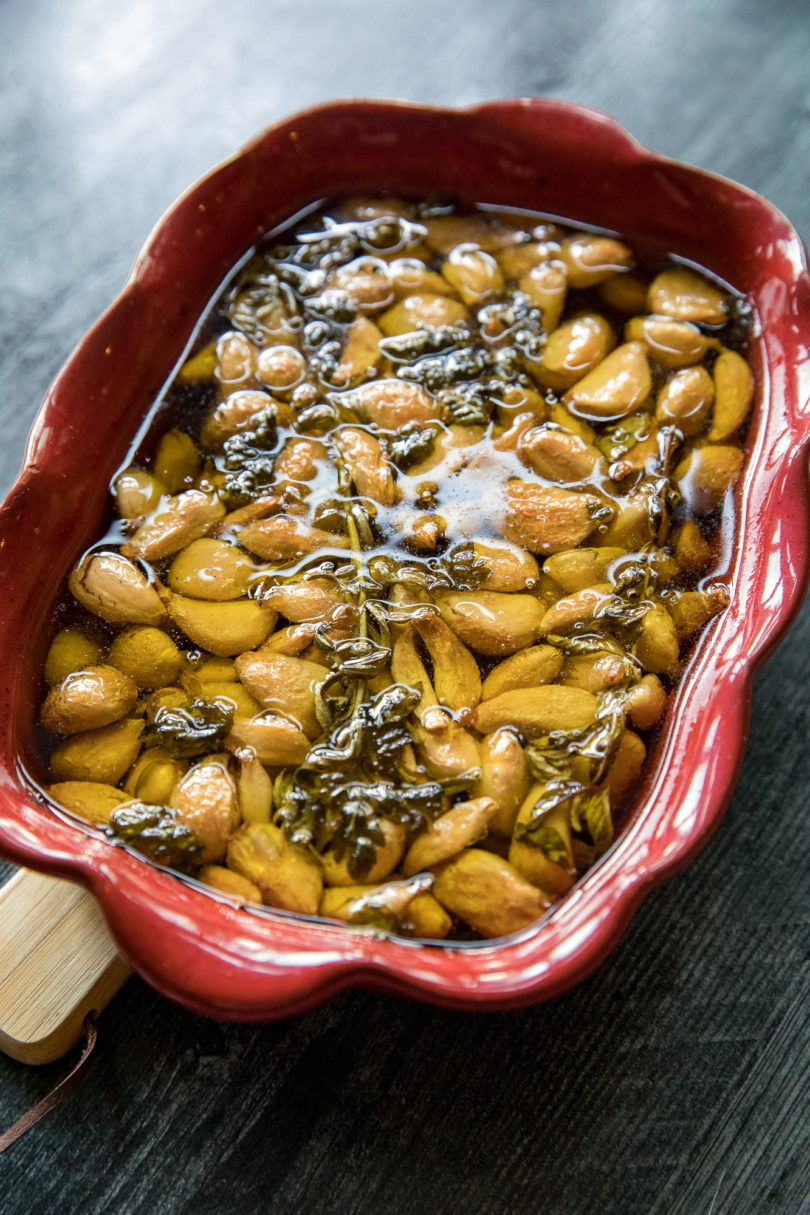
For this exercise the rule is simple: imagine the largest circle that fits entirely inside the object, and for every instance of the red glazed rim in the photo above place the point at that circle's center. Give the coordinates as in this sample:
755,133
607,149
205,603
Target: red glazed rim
546,156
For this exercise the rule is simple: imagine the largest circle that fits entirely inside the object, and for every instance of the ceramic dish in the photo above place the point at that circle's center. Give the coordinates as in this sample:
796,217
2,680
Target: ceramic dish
542,155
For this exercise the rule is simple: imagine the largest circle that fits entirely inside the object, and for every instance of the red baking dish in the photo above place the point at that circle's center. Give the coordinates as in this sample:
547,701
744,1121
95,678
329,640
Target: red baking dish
546,156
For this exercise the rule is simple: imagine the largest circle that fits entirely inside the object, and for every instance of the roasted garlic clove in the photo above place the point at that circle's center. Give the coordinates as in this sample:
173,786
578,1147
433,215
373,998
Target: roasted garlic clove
574,349
276,741
282,537
685,400
386,858
491,622
111,587
546,285
286,876
174,524
422,310
205,800
510,568
391,403
255,789
504,777
153,776
284,685
449,751
669,343
361,354
137,492
547,519
458,828
656,647
100,755
686,296
474,274
87,700
733,393
536,711
645,702
90,799
147,655
359,903
617,386
555,876
577,568
706,475
558,454
580,608
456,678
239,411
528,668
71,650
489,894
211,569
368,464
592,258
691,610
177,461
234,885
223,628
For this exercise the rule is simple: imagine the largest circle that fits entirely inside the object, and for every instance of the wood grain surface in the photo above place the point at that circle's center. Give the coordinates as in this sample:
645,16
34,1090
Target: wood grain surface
674,1080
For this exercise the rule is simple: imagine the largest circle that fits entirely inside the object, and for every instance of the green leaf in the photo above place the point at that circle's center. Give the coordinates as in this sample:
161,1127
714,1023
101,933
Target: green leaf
157,833
594,809
547,839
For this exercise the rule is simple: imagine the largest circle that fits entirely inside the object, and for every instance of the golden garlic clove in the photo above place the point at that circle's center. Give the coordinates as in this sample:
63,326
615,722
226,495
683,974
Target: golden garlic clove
625,291
361,354
355,902
489,894
591,258
456,678
276,741
510,568
504,777
547,519
426,918
89,799
87,700
177,461
685,400
706,475
111,587
311,600
686,296
228,692
368,464
211,569
255,789
422,310
285,685
536,711
669,343
474,274
137,493
235,361
690,610
238,412
491,622
100,755
223,628
733,393
205,800
71,650
580,608
558,454
174,524
300,459
147,655
546,285
234,885
626,767
153,776
593,672
656,647
458,828
286,876
283,537
577,568
692,551
573,349
556,877
616,387
386,858
646,702
528,668
391,403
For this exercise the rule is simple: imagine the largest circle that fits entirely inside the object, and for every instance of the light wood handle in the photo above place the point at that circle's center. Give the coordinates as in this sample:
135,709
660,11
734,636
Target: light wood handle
57,963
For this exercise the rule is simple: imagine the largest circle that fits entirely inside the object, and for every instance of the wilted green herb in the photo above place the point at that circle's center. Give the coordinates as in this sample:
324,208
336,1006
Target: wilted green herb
412,444
406,347
158,833
248,459
187,732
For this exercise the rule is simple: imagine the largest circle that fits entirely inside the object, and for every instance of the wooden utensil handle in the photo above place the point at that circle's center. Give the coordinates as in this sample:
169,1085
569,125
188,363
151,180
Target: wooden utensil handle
57,962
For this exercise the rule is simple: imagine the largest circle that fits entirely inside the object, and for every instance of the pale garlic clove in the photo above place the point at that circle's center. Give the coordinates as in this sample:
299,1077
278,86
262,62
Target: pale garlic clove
456,829
489,894
222,628
491,622
205,800
211,569
733,393
528,668
617,386
111,587
99,755
686,296
286,686
89,799
536,711
174,524
88,699
276,741
286,876
547,519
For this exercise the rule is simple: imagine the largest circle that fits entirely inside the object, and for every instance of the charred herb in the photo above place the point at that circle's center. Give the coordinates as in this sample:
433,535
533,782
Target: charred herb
187,732
157,833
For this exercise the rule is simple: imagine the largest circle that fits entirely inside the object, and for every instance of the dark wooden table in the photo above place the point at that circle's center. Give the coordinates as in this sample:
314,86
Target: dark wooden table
671,1082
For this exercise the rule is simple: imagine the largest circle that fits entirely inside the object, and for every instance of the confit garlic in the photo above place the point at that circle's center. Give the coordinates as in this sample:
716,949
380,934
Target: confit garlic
382,617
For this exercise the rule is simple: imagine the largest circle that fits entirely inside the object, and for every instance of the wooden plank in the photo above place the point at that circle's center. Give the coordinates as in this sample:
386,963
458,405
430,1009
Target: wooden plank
57,962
